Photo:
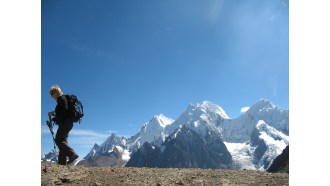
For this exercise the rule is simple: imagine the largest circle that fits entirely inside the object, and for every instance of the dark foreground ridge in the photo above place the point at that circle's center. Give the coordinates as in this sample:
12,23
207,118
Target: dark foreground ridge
79,175
281,162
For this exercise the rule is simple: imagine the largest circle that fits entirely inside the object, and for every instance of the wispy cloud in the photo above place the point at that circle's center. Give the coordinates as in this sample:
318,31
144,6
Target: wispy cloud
112,131
131,125
215,11
86,141
273,84
44,129
275,90
284,4
91,133
83,138
89,51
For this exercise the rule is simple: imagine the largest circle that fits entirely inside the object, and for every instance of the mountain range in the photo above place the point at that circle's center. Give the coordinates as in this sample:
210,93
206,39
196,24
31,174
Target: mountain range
203,136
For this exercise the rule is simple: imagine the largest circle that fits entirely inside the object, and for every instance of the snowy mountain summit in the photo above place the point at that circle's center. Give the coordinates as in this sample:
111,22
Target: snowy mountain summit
213,108
151,132
161,120
252,140
200,118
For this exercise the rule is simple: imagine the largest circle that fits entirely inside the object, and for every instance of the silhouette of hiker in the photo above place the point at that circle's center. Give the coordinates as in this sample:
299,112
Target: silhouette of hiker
65,124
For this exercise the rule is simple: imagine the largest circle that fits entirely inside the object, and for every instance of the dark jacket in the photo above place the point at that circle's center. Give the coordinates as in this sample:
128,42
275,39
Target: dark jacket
61,110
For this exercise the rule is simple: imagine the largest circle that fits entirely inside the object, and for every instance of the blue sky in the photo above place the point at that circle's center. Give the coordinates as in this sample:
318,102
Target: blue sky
130,60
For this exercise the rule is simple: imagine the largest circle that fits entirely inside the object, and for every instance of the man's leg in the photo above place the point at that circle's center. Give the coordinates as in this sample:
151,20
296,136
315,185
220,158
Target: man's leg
62,143
61,157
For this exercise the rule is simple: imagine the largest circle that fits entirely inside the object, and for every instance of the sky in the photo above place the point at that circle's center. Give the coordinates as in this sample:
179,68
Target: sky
23,83
130,60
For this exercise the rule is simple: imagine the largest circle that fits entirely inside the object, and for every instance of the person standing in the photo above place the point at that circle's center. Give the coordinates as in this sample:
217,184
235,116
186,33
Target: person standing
65,124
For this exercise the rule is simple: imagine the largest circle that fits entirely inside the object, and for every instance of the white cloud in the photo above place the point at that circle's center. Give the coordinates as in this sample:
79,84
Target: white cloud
76,132
89,133
272,83
82,139
88,50
244,109
86,141
275,90
112,131
85,138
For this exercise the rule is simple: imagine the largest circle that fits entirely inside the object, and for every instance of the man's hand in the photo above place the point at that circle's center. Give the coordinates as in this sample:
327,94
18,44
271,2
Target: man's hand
49,124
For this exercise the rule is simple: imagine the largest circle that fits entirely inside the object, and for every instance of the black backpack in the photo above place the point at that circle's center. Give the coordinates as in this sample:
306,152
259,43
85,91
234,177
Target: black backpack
76,109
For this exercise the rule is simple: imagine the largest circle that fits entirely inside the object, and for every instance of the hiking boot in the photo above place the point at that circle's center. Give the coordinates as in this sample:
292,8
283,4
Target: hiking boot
71,159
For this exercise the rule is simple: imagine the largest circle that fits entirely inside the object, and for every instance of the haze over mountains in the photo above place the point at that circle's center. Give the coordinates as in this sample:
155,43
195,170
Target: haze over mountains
203,136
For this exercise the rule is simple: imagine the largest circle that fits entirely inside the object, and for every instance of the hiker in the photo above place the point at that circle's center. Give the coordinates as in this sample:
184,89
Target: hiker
65,124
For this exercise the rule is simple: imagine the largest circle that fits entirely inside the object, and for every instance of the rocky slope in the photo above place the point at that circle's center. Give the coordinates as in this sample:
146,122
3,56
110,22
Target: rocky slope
53,174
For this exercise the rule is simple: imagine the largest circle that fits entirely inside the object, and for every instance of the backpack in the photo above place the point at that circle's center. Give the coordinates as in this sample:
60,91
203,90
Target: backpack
76,109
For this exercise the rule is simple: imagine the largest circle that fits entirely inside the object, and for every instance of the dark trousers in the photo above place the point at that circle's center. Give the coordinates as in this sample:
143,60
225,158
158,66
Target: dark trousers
61,141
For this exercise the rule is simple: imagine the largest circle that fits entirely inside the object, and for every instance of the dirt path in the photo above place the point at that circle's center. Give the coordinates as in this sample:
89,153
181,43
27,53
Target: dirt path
79,175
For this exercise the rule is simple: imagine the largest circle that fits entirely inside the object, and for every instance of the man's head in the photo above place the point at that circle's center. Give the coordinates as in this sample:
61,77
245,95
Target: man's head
55,91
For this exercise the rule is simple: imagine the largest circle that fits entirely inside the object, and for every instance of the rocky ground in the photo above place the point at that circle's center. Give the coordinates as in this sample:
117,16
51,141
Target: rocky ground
52,174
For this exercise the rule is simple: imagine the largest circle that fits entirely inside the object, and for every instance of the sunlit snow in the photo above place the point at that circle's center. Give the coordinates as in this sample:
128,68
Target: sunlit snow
242,155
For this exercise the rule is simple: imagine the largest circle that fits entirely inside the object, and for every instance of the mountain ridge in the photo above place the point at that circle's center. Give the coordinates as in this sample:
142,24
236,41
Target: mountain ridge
246,131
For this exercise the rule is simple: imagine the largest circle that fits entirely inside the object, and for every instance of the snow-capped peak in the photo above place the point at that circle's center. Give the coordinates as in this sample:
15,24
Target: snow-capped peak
93,152
270,133
275,141
161,120
209,106
96,146
108,144
270,113
151,132
261,105
261,124
200,118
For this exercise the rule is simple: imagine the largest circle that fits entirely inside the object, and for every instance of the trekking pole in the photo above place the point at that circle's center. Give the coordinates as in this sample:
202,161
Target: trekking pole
50,126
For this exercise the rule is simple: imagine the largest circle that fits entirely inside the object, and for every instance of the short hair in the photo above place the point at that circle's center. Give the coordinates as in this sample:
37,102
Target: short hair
55,88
